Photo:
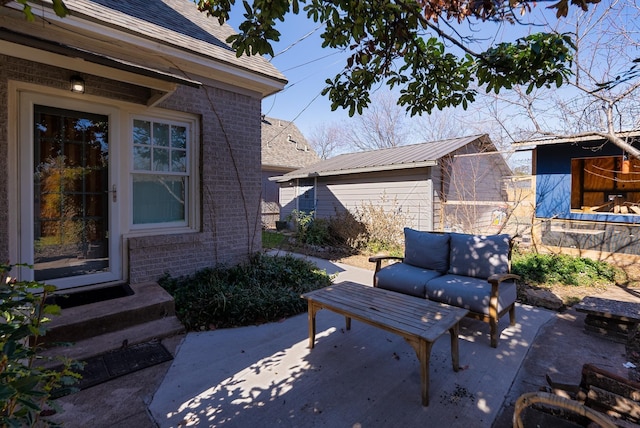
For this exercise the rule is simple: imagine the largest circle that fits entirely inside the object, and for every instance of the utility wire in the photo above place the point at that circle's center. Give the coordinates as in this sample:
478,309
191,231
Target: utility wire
297,41
293,120
312,61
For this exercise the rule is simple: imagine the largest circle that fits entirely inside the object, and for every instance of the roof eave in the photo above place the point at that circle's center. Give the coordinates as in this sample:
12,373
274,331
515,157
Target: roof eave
188,61
378,168
15,44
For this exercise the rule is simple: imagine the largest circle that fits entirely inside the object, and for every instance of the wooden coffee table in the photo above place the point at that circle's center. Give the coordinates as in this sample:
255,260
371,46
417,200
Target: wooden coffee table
419,321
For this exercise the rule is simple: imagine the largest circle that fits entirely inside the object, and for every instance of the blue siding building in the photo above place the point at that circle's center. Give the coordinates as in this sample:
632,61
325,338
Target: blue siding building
587,193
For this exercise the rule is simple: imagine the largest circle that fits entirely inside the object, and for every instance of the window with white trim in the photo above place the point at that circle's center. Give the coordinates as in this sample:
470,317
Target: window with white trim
162,154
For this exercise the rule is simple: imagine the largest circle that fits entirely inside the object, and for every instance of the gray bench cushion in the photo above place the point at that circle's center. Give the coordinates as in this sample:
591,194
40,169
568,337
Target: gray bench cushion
427,250
405,278
469,293
479,256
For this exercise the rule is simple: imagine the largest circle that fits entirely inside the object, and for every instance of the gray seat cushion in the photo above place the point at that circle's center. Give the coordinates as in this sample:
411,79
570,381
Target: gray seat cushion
479,256
428,250
469,293
405,278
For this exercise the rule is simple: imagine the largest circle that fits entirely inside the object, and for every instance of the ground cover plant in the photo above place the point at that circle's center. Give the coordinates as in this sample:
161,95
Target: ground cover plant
265,289
546,270
26,388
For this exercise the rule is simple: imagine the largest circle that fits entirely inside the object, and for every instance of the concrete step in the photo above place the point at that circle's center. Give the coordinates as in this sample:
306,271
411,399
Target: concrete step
149,302
153,330
101,320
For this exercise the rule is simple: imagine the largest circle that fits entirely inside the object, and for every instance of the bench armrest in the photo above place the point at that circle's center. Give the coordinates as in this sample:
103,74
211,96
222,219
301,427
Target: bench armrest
500,277
496,279
378,260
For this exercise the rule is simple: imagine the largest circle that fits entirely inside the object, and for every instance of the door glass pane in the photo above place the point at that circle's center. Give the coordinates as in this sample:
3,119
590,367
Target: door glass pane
71,227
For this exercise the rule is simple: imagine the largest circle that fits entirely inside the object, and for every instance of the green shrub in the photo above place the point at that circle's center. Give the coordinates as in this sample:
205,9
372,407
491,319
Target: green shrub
378,247
308,229
265,289
318,233
372,226
25,387
552,269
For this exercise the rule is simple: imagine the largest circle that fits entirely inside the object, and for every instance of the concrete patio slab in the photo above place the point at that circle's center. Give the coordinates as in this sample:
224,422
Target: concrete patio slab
266,375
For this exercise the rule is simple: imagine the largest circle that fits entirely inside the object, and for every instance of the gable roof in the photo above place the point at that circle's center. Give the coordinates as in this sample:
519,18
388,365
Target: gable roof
284,147
403,157
171,36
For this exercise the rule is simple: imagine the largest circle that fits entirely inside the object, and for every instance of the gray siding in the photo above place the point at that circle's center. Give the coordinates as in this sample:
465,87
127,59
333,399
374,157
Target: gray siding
475,176
407,192
287,199
463,192
437,192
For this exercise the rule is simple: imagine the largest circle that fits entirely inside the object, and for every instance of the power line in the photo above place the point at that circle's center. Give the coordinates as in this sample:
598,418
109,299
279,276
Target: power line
312,61
297,41
293,120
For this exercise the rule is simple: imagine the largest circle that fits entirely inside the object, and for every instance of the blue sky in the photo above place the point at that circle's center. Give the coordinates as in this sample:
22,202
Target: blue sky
306,65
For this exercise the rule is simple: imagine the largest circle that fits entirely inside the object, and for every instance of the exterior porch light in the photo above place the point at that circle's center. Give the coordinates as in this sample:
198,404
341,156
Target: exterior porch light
77,84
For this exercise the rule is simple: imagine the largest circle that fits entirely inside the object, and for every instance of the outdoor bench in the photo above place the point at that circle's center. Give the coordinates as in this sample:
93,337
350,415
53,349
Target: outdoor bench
464,270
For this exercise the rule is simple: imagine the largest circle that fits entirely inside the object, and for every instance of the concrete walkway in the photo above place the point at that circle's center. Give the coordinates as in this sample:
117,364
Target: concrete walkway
266,376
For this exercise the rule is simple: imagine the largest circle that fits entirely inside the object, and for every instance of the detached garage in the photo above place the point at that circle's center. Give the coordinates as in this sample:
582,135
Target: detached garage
454,184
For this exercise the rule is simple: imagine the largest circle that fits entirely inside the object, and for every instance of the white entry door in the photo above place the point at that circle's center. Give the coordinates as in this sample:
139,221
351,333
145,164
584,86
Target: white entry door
68,194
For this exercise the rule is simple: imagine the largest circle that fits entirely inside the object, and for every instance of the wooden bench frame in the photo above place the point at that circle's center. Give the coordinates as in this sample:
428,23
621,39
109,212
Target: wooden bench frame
419,322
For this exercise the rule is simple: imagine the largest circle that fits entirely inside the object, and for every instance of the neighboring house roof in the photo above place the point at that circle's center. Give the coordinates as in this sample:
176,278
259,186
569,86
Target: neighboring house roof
284,148
403,157
171,36
590,138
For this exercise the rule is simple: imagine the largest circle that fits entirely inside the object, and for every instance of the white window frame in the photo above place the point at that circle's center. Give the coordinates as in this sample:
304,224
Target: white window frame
192,199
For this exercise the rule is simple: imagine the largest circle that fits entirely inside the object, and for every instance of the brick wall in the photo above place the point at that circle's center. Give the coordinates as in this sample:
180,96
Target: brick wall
4,213
230,179
230,189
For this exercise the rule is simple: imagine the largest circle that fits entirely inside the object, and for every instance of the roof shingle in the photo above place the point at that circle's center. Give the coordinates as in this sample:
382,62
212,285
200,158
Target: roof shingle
177,23
284,146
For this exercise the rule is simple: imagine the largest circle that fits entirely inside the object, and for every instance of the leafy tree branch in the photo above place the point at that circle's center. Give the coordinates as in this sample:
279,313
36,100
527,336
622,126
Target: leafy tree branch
399,43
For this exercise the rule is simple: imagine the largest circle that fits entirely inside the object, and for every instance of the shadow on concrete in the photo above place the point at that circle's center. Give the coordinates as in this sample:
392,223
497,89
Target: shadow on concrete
266,375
